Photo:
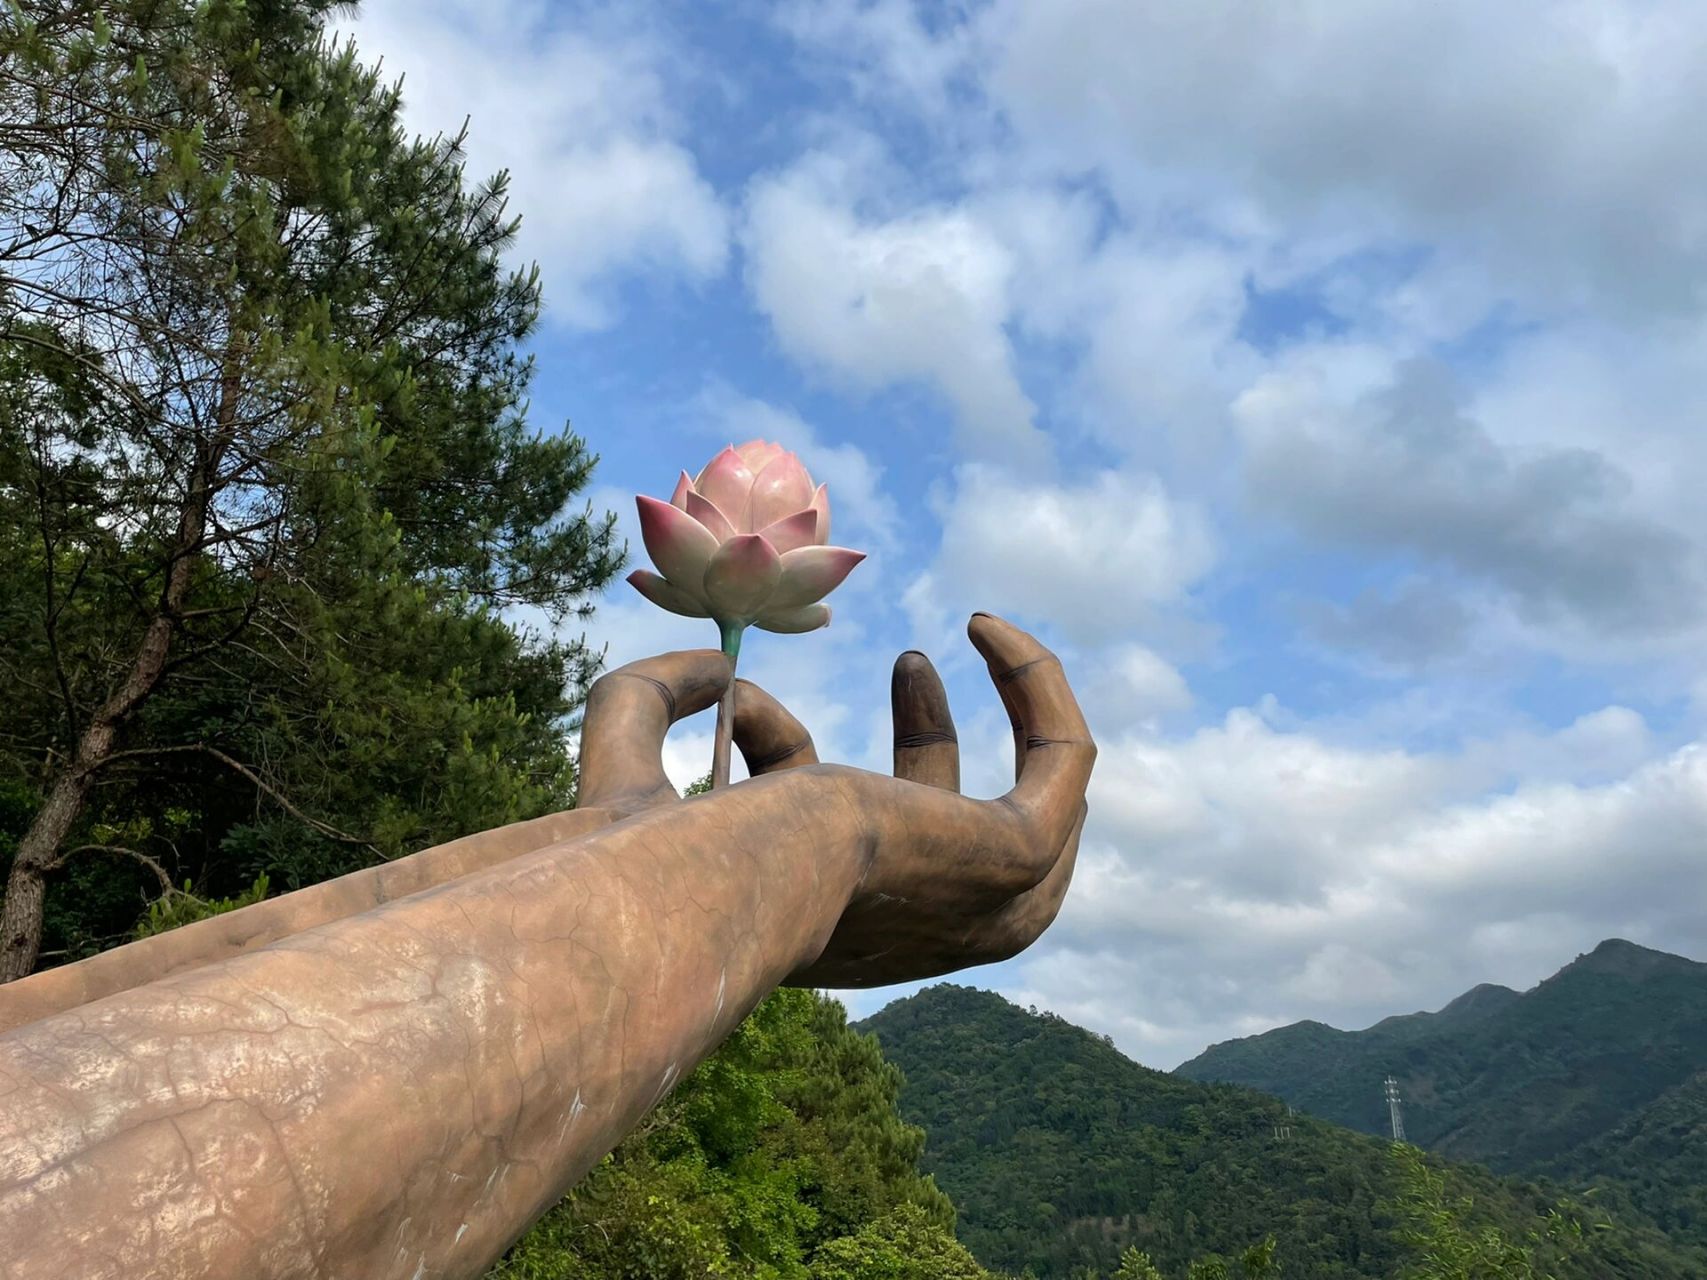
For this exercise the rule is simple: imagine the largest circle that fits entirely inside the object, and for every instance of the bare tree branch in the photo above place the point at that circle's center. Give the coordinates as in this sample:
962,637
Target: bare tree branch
166,885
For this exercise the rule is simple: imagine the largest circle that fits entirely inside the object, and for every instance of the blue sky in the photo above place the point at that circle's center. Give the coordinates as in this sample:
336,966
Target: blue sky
1321,380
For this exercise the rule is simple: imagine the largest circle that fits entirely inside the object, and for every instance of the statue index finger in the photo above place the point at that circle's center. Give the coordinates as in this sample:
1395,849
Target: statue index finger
629,711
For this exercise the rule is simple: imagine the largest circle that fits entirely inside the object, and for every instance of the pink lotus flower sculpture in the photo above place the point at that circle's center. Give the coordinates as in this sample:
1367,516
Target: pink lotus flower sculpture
744,544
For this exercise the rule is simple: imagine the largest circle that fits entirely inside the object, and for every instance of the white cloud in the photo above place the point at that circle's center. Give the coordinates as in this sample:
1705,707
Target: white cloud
1402,468
1338,974
1598,747
1128,684
1096,560
884,48
1160,322
922,297
1244,876
1226,801
584,124
1152,319
1552,143
1636,396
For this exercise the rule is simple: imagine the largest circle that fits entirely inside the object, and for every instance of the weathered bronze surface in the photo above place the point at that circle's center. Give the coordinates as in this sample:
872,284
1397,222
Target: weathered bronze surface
392,1074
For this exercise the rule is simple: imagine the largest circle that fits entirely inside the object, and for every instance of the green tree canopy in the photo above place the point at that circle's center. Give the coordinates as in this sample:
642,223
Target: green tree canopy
781,1158
267,488
903,1245
1135,1264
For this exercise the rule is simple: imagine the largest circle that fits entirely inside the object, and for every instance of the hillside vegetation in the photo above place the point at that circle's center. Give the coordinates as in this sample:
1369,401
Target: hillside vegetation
781,1158
1594,1077
1061,1153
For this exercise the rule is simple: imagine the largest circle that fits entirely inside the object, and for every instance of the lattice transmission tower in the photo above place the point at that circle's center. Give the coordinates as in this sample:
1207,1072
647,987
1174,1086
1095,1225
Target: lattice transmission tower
1395,1110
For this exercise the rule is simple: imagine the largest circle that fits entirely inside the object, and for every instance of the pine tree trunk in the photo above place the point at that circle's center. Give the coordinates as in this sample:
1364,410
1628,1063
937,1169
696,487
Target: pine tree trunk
38,852
21,912
26,886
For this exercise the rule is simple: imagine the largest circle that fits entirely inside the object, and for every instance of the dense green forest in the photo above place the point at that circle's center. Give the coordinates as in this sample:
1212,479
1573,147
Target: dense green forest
1656,1160
1061,1153
1594,1077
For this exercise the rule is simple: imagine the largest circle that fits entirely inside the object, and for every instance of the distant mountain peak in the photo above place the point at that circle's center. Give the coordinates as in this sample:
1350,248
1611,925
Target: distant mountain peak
1623,946
1480,1000
1623,957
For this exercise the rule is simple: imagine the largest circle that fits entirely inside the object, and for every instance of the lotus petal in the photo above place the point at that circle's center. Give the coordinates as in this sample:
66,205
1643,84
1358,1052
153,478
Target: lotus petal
684,486
728,482
757,453
811,573
781,488
821,504
797,530
741,577
790,622
665,596
707,513
679,545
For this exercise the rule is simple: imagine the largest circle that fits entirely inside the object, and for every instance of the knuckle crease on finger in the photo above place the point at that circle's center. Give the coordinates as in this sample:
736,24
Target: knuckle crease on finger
778,756
1013,673
664,690
924,739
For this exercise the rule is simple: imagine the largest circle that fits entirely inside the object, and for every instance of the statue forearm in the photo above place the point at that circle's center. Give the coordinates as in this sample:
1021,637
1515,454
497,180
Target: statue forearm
52,991
390,1094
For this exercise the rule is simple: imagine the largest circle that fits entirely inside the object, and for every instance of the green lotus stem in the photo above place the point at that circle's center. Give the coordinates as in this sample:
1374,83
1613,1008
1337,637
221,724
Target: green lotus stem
731,632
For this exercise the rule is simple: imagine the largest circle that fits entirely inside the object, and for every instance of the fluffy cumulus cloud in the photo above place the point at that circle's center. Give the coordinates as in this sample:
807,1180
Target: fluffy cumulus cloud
1130,684
1096,559
577,111
922,297
1160,323
1245,876
1550,143
885,47
1560,532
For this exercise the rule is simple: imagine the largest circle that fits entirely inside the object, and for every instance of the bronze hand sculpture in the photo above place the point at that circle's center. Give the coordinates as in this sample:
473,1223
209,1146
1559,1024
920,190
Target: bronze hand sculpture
392,1074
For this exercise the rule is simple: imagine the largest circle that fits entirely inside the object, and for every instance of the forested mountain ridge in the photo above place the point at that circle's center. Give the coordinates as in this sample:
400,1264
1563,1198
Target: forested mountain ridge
1593,1076
1060,1152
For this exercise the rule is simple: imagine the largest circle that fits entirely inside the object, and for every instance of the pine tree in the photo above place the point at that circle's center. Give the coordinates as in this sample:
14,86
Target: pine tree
266,484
